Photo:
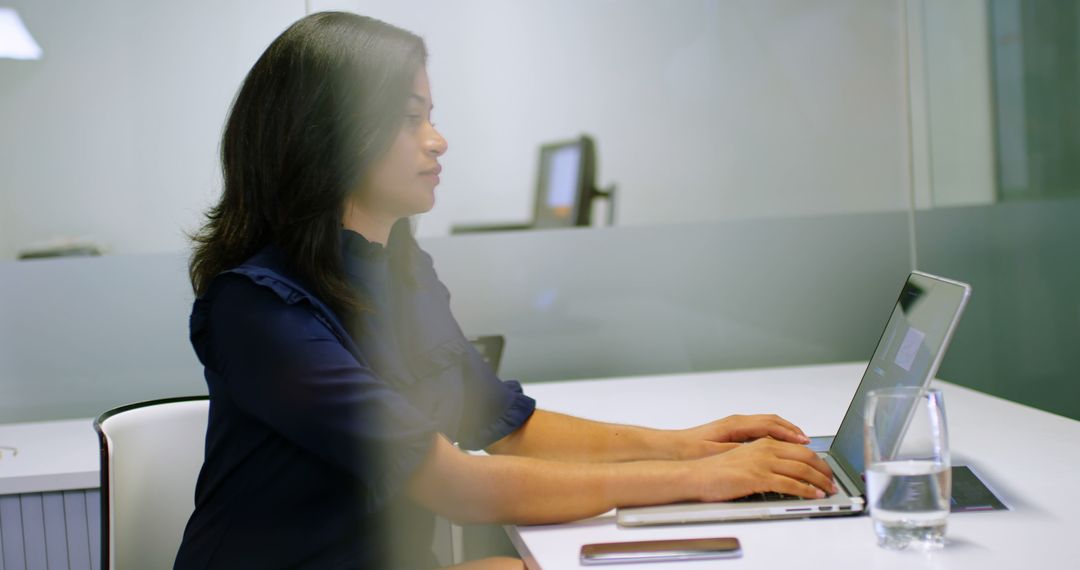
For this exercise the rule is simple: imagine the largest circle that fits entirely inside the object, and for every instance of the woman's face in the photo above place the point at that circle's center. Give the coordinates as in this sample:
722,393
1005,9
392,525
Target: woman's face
402,183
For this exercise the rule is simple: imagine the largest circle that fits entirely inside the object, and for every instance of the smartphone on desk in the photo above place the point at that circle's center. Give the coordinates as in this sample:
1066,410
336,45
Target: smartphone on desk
660,550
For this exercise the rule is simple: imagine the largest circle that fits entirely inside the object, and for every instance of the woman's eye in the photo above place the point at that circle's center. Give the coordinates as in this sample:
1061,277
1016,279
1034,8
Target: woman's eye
413,118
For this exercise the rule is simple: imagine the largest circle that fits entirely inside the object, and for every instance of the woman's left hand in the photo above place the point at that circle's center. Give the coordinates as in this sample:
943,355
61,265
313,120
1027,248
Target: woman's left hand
727,433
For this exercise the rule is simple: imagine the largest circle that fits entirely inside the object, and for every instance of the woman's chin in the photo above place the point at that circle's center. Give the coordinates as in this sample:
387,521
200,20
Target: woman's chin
423,204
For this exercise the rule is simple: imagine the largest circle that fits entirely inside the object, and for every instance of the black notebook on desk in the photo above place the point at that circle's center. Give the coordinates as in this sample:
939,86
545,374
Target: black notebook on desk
970,494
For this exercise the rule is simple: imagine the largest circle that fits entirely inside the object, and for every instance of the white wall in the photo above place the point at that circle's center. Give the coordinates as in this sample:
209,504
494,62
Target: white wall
114,133
702,110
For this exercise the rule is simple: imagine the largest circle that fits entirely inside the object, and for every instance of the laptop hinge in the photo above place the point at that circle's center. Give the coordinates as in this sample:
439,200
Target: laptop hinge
842,476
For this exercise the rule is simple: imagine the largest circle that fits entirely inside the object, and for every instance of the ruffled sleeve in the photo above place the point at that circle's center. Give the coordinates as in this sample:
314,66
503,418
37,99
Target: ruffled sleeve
493,408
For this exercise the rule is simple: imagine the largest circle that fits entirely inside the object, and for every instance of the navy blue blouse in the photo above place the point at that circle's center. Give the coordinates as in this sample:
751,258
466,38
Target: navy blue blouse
315,426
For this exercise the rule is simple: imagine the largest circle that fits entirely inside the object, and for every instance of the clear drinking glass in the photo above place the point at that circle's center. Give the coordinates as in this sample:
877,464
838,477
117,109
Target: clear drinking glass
908,469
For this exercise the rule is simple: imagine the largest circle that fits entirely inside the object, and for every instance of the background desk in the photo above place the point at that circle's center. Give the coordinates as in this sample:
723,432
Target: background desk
1031,458
50,505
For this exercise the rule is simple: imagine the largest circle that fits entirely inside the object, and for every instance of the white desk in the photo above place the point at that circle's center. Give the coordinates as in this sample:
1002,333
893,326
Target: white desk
1031,458
49,498
52,456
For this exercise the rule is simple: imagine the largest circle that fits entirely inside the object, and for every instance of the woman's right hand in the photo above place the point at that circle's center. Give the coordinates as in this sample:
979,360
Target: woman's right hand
762,466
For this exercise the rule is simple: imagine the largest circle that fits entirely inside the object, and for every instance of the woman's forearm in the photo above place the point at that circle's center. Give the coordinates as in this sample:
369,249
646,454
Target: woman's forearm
555,436
526,490
536,491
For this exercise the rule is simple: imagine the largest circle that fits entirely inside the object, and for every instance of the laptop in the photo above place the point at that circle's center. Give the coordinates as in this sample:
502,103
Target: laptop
908,354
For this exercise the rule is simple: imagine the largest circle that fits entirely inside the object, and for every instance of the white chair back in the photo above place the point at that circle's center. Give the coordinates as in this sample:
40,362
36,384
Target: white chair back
151,454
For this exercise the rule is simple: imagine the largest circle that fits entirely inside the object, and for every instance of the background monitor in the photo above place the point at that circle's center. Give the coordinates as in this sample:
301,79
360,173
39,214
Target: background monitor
565,184
565,190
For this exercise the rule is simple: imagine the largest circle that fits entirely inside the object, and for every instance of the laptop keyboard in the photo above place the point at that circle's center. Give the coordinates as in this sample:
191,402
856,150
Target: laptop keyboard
770,496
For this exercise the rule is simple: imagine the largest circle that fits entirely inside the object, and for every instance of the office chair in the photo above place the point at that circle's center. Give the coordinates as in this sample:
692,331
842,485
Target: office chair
151,453
490,348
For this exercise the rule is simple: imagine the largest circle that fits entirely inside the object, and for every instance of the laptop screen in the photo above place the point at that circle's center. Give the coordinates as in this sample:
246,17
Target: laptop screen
907,354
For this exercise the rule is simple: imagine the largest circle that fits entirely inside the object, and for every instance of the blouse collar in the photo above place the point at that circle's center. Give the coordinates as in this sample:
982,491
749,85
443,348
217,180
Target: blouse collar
354,244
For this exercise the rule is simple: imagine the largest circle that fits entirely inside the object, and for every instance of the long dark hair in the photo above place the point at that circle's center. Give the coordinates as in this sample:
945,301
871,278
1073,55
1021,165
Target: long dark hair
319,107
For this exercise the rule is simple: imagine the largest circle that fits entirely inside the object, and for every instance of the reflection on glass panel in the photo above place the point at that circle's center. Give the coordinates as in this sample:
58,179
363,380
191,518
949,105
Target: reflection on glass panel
1035,55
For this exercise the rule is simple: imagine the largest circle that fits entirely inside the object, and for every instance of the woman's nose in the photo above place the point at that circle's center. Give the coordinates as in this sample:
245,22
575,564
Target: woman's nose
436,145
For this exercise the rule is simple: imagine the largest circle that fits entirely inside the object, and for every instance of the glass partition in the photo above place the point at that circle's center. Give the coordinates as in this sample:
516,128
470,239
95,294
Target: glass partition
1001,81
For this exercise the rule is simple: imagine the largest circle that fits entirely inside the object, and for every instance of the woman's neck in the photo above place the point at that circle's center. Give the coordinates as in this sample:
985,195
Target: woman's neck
375,228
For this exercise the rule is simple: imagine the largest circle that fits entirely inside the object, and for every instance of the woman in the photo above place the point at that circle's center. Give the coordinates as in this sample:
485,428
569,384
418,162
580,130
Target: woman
339,380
